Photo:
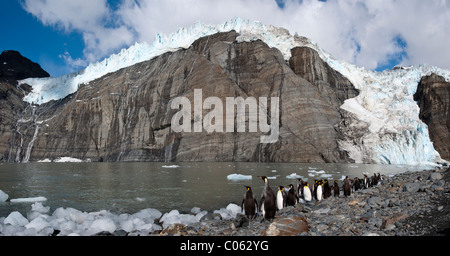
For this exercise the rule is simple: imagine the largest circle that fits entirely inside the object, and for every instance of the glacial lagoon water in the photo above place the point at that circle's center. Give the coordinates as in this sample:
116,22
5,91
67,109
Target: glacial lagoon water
131,187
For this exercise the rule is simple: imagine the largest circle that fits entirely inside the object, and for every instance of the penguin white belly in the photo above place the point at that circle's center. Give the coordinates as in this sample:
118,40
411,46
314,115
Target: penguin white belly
319,193
307,194
279,200
262,210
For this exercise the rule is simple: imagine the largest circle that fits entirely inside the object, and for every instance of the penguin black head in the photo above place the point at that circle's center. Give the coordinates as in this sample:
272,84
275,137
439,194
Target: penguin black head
307,184
248,188
280,188
291,186
264,178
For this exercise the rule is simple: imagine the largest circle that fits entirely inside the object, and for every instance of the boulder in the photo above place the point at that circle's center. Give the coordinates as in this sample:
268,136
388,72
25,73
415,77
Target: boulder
289,226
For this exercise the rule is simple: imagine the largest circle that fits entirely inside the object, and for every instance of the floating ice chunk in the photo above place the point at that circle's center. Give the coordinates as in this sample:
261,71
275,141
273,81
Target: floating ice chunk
38,224
236,176
45,161
38,207
293,176
127,225
170,166
148,215
317,172
29,199
230,212
3,196
195,210
16,218
235,209
174,216
68,160
326,175
103,224
272,178
200,215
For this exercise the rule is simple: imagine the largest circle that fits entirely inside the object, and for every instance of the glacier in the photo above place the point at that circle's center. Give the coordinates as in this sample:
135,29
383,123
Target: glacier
395,134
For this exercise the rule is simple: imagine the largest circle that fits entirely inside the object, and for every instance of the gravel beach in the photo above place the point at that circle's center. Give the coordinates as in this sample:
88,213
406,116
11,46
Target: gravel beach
408,204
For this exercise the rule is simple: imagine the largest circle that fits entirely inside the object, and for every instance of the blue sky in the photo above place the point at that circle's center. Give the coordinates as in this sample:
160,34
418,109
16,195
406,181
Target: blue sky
64,36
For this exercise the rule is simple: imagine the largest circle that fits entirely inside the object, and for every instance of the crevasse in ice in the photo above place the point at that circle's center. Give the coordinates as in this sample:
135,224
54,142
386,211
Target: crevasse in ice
395,135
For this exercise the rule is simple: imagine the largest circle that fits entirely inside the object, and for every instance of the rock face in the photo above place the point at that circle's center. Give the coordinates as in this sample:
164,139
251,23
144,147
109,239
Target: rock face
433,98
126,115
13,66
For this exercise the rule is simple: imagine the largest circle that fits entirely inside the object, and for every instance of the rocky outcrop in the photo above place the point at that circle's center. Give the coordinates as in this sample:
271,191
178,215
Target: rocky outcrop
126,115
433,98
13,67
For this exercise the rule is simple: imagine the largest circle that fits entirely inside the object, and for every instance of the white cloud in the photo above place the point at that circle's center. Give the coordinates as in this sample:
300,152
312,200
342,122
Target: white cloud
94,20
363,32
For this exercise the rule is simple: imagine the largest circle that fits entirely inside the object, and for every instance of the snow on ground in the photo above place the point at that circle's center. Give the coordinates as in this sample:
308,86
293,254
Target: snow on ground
72,222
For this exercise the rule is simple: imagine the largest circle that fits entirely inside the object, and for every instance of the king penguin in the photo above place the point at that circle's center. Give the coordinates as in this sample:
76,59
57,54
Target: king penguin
366,182
357,184
291,198
300,184
249,204
307,195
346,187
267,203
319,190
336,189
281,198
326,190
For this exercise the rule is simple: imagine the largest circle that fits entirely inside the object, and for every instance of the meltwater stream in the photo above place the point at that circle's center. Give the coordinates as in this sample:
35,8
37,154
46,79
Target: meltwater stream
131,187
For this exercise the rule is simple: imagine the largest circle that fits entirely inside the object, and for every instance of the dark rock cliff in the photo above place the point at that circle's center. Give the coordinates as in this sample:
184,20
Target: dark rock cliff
13,67
433,98
126,115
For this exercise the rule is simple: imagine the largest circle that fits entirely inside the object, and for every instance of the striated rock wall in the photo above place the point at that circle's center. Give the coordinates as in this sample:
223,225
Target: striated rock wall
126,115
433,98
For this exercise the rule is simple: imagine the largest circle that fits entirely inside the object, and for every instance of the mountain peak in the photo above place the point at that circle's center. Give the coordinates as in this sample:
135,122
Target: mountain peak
13,66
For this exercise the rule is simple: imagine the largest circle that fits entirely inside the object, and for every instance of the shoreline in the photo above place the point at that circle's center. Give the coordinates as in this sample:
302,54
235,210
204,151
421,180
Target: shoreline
407,204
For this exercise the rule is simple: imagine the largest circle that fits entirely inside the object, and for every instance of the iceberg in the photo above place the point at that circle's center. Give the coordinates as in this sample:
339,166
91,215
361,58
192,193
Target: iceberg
236,176
29,199
3,196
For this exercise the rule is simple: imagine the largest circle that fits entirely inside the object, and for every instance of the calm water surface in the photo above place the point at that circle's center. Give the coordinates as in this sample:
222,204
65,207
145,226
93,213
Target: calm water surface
130,187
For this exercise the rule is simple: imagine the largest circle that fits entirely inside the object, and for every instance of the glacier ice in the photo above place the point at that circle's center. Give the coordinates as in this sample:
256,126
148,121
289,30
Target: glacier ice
3,196
236,176
385,104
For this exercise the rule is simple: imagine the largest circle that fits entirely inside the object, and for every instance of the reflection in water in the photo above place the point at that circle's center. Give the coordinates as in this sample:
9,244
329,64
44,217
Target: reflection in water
130,187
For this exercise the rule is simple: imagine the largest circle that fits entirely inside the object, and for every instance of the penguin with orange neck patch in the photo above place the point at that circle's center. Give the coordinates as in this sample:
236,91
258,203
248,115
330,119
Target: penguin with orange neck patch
347,187
267,204
249,204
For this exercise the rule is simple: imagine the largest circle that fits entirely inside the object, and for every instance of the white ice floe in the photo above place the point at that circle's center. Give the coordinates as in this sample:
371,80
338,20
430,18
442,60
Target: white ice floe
68,160
236,176
229,212
73,222
171,166
293,176
29,199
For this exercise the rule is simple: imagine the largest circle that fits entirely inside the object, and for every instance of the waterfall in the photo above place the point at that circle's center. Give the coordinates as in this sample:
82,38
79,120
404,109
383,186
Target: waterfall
30,145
